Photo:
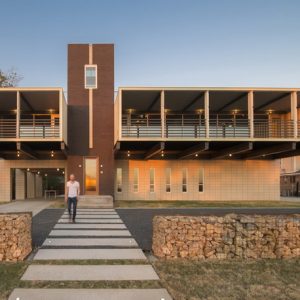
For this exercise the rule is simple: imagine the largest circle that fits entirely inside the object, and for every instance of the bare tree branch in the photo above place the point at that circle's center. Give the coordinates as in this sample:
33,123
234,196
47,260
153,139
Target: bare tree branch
10,78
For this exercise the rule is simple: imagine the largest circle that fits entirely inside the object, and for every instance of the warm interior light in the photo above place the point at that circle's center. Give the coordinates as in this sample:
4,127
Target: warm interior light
230,154
162,154
196,154
269,111
235,111
51,110
128,153
200,111
28,169
57,169
46,175
18,153
38,172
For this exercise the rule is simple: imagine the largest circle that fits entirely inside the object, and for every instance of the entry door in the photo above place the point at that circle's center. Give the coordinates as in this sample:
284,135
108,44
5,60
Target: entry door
91,178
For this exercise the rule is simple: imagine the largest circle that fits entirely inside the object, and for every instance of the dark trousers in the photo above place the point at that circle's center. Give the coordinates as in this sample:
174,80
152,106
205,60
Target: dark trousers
72,201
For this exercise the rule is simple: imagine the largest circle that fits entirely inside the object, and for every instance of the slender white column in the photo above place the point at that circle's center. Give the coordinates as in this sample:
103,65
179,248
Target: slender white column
18,115
294,115
162,113
251,114
206,113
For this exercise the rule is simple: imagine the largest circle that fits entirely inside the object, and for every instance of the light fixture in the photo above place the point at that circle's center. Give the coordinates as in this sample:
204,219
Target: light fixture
230,154
128,153
63,172
51,110
200,111
28,169
38,172
130,110
162,154
18,153
196,155
46,175
57,169
235,111
263,155
269,111
52,153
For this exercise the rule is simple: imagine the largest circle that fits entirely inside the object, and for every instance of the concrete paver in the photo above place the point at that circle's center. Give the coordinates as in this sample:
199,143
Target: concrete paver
89,226
90,294
89,272
114,242
78,232
53,254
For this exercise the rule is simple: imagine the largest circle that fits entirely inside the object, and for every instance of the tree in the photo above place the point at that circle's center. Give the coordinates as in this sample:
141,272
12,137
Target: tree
10,78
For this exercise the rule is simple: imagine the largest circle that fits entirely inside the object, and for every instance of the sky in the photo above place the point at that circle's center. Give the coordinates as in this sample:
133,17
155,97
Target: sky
206,43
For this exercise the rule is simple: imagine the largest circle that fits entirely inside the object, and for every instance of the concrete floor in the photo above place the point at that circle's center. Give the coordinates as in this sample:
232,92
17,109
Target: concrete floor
34,206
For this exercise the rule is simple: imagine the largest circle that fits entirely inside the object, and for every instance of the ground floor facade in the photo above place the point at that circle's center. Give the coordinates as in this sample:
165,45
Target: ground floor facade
148,179
197,180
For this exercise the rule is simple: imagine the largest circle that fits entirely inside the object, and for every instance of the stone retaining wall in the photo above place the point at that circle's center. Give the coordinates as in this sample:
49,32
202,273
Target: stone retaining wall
15,236
231,236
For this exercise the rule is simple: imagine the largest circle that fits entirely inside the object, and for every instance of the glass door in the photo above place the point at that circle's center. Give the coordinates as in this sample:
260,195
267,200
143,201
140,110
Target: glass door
91,179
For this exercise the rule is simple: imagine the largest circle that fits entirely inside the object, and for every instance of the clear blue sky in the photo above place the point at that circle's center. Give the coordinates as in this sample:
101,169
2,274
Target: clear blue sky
157,42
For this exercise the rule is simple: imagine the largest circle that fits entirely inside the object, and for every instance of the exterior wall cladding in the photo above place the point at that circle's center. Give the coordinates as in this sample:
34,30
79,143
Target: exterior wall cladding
103,107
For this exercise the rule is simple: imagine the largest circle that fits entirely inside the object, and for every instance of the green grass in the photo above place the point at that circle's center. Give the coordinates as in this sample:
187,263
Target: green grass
195,204
255,279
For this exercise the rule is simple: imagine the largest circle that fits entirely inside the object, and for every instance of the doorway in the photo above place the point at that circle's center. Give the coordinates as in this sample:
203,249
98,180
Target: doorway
91,178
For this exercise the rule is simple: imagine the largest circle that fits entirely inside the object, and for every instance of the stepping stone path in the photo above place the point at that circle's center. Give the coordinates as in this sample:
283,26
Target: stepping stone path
98,234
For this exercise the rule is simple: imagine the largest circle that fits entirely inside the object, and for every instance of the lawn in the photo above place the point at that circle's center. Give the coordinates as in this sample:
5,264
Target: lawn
190,279
195,204
261,279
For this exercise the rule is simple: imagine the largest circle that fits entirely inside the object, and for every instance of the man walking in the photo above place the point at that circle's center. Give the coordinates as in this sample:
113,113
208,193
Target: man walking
71,196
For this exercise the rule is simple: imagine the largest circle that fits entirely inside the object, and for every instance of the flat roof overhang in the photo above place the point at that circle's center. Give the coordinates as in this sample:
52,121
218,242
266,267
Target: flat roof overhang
12,150
241,150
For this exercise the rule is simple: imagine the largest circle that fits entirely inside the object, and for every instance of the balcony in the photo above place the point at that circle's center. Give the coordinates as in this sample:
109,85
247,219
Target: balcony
33,121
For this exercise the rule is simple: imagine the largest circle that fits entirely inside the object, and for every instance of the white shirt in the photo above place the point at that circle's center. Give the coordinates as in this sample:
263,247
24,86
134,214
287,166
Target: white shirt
73,188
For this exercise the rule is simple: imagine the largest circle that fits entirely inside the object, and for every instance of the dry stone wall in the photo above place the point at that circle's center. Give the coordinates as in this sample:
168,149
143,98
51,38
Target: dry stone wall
15,236
228,237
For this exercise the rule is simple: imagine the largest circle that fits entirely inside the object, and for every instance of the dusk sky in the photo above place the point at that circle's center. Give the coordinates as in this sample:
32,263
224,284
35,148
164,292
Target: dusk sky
157,43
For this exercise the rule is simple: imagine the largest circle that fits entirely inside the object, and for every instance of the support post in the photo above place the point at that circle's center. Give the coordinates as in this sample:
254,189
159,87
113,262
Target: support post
294,115
162,113
251,114
18,115
206,113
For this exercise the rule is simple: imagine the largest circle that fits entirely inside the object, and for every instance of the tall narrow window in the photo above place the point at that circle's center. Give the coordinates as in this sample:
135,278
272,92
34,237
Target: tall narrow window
184,180
119,180
90,76
152,179
135,180
168,180
201,180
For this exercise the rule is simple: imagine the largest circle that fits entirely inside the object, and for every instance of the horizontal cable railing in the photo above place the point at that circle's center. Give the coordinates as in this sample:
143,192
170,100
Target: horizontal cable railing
145,126
8,128
193,126
229,128
275,128
41,128
184,126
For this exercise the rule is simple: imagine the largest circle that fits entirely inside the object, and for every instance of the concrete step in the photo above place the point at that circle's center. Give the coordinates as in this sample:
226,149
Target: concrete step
67,254
101,201
93,217
90,242
89,272
90,294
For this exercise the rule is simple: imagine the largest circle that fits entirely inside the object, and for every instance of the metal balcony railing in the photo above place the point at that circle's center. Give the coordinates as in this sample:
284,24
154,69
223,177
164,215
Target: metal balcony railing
40,128
274,128
229,128
8,128
141,126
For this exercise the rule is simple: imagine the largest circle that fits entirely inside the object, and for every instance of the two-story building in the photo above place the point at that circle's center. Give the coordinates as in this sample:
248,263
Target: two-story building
144,143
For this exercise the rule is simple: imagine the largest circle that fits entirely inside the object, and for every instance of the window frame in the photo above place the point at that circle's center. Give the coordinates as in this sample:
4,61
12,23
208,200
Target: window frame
152,184
121,180
136,184
168,174
96,76
201,172
186,180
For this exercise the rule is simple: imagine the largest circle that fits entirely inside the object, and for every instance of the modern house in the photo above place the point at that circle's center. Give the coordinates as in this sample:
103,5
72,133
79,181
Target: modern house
144,143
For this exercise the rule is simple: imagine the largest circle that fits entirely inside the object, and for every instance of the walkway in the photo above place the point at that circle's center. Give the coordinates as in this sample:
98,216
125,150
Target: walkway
98,235
34,206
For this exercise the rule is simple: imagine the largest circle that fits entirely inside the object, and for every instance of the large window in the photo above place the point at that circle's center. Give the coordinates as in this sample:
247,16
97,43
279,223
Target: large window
184,180
152,179
90,76
201,180
135,180
168,180
119,180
